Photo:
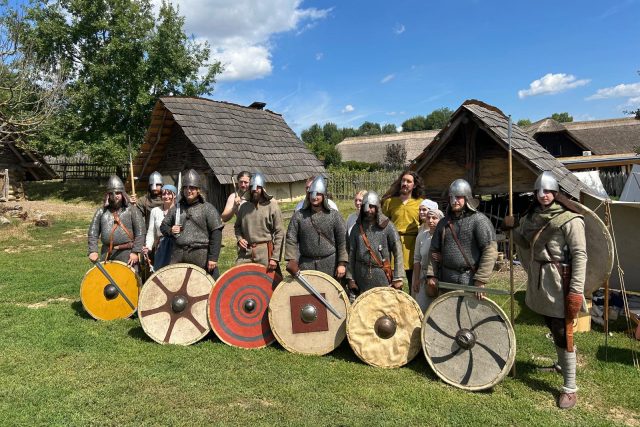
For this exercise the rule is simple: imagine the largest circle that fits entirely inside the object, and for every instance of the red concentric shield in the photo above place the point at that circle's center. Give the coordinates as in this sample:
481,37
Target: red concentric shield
238,306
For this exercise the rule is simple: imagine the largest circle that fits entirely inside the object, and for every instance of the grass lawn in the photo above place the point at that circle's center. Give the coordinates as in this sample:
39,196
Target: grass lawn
58,366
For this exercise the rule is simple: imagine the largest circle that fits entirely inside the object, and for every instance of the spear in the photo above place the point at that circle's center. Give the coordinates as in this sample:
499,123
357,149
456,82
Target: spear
511,284
133,185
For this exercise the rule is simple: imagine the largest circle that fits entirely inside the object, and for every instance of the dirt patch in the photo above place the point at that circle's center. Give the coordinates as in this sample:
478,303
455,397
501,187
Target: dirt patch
54,210
43,304
624,416
252,403
26,248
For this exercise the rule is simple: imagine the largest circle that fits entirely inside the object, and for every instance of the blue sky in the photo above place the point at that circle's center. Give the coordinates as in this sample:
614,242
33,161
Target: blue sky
351,61
347,62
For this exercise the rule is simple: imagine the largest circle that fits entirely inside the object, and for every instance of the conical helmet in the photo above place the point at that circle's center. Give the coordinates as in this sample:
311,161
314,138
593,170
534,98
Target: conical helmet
318,186
461,188
191,178
369,199
114,184
257,180
155,179
546,181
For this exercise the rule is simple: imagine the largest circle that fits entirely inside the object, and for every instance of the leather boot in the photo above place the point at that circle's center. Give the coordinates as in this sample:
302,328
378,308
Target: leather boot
567,400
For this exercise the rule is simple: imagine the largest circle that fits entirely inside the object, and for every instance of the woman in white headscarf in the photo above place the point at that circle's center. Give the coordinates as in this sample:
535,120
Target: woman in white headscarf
429,215
162,245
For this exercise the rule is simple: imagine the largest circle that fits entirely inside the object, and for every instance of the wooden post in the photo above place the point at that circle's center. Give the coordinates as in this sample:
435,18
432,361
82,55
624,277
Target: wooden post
511,284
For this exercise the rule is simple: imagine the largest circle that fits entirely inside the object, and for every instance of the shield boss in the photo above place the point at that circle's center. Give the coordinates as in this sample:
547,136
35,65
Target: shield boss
101,299
300,322
468,343
173,304
238,306
383,327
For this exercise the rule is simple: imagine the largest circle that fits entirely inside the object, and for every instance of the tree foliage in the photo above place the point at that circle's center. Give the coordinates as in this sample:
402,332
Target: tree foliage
117,59
369,128
395,157
524,123
437,119
389,128
562,117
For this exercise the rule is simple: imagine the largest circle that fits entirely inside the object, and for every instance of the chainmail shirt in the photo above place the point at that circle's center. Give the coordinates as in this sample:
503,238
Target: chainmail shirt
102,228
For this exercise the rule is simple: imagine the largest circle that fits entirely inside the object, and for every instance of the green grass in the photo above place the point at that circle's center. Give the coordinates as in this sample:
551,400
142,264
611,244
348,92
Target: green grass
58,366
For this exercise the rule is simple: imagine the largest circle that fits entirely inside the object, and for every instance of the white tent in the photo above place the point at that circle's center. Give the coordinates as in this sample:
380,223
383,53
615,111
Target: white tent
631,191
592,180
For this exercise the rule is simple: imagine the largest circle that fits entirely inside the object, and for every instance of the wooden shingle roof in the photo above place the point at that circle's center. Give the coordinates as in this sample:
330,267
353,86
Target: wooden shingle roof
525,148
233,138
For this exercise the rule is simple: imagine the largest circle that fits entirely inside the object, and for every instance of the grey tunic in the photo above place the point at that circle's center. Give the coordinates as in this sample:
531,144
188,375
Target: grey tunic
258,224
319,237
146,203
201,235
478,240
386,242
101,228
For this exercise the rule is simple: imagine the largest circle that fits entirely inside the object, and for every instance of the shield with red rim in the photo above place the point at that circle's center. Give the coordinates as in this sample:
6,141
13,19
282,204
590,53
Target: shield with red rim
238,306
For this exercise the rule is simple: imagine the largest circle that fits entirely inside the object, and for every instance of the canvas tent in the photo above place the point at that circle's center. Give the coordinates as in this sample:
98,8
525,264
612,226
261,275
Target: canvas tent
220,139
631,191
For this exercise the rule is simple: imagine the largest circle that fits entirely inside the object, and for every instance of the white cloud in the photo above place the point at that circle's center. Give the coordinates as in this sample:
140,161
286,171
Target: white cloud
319,56
240,31
399,29
348,108
550,84
387,78
619,91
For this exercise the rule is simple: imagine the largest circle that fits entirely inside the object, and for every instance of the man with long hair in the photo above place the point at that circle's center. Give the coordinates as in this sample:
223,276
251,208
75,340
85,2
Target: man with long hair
400,205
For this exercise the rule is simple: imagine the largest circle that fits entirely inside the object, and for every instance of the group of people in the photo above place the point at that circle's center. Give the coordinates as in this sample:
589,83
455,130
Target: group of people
387,240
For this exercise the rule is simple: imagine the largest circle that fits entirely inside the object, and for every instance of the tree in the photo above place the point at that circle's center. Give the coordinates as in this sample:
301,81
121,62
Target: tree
332,134
523,123
438,118
562,117
117,59
396,156
389,128
314,136
369,128
414,124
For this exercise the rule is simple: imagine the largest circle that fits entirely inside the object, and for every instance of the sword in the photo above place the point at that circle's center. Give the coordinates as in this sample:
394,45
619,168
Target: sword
113,282
467,288
317,294
178,199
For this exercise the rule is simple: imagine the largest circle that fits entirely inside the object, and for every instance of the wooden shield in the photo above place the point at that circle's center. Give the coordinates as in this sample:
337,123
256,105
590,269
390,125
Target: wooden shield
468,343
173,304
238,306
300,322
599,251
99,302
383,327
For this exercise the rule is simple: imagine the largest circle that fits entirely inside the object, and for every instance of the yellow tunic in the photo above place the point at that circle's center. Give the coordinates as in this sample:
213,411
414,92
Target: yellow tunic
405,217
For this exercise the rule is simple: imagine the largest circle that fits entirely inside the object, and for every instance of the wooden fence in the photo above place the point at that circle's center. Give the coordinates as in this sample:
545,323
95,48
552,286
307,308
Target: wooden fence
343,185
613,182
81,166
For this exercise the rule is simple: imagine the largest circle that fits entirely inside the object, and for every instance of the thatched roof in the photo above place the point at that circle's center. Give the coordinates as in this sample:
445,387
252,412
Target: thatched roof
373,149
495,123
231,138
612,136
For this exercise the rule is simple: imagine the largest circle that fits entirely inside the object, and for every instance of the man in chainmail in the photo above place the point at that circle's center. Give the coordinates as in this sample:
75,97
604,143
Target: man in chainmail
464,243
198,233
118,225
318,234
373,242
259,227
152,199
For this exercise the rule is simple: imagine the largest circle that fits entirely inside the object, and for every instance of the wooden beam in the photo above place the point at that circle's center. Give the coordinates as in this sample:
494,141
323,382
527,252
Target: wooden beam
471,164
155,144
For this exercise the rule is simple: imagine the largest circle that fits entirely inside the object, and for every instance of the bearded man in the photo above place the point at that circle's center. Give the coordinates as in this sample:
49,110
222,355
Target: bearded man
118,225
198,233
259,227
401,207
464,243
373,241
552,243
152,199
316,237
236,198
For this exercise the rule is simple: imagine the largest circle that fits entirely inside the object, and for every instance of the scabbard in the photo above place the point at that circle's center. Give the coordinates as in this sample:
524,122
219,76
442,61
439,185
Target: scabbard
568,327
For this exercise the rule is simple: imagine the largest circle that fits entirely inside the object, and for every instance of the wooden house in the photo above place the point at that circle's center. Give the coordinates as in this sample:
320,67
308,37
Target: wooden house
373,149
17,165
474,146
220,139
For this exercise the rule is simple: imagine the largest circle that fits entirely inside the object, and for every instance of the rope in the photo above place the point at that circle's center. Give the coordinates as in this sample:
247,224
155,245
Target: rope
623,289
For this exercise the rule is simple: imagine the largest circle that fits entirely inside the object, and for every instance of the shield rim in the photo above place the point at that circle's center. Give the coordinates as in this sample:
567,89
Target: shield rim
510,330
170,267
209,301
592,283
139,284
341,294
361,297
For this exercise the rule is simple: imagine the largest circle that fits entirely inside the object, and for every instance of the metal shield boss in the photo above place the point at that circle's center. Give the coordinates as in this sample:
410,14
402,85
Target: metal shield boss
101,299
238,305
469,343
383,327
301,322
173,304
600,251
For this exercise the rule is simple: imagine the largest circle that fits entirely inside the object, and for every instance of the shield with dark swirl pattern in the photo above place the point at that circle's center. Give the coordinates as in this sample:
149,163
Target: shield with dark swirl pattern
469,343
238,306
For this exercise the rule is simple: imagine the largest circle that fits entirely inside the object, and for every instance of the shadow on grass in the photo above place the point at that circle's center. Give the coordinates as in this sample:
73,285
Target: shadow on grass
345,353
527,373
71,191
138,333
80,311
620,355
525,315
